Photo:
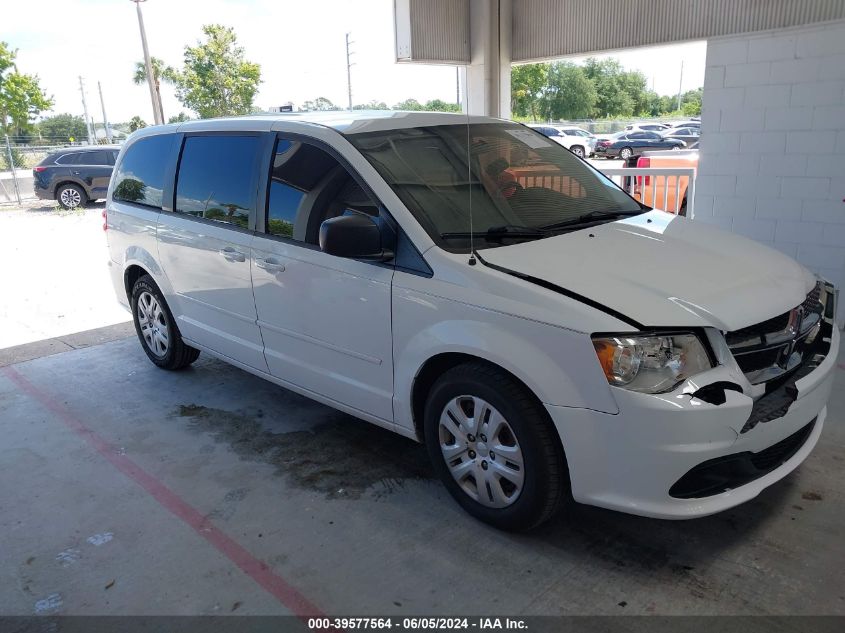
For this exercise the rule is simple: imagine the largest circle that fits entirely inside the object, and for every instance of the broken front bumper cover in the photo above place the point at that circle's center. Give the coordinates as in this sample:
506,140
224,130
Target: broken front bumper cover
631,460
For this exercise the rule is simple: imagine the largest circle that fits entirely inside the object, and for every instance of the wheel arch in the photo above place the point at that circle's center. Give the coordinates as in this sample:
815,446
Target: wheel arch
70,181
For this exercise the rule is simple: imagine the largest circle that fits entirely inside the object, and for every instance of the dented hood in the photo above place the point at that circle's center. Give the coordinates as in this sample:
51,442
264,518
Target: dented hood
661,270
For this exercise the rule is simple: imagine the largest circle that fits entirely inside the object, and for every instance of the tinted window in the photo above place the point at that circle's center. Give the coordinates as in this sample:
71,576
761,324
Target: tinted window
68,159
638,135
217,178
140,176
307,186
100,157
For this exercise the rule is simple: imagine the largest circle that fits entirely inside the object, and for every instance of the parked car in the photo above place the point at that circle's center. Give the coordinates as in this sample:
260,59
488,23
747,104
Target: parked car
568,137
667,193
75,176
690,123
628,144
651,127
689,135
551,337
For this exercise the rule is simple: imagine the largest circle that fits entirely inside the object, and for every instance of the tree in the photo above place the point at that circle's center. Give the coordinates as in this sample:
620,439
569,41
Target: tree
21,97
612,98
318,104
438,105
691,102
372,105
527,85
215,79
136,123
179,118
409,104
62,127
569,94
160,71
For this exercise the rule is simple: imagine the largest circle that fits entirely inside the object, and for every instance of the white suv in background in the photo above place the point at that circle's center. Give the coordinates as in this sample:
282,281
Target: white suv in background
578,141
467,283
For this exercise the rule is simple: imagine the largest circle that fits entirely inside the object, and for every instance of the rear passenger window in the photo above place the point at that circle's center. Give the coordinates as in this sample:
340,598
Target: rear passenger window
140,176
307,186
68,159
217,178
94,158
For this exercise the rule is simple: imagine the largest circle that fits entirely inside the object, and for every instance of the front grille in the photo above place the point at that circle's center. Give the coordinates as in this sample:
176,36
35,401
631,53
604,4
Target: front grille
776,346
732,471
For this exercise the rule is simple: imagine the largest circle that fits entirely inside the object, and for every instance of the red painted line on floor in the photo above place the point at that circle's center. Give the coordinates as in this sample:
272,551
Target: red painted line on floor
274,584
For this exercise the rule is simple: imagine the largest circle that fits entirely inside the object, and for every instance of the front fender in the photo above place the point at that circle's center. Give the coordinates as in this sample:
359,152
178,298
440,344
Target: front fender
558,365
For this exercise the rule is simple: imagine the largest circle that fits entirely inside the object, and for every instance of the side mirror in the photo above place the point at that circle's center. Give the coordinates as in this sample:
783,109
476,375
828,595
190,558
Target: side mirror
355,236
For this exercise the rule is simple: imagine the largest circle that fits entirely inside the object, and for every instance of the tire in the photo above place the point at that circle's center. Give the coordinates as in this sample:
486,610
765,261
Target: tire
577,150
71,196
168,351
626,153
518,498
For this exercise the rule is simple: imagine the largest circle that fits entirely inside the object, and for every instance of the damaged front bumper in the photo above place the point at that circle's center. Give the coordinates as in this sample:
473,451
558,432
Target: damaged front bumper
687,454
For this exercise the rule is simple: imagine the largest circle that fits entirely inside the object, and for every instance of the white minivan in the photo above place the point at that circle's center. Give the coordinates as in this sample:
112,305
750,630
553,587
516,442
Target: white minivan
468,283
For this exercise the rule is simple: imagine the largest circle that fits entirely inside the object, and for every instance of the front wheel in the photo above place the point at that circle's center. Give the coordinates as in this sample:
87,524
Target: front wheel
494,448
626,153
157,329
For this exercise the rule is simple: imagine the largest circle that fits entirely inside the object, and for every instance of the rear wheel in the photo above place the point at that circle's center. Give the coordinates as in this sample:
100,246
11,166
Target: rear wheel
626,153
157,329
577,150
494,448
71,196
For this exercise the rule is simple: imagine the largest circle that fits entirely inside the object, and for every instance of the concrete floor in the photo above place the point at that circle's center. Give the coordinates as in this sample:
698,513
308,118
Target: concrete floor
129,490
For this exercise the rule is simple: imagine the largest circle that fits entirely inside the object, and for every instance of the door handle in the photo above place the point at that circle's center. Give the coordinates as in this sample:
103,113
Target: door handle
231,255
270,264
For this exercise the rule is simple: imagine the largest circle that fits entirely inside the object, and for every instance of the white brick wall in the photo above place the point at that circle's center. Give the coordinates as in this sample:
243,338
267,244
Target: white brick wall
772,159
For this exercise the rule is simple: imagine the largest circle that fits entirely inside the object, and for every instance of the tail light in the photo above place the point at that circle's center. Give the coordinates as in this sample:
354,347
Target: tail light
644,161
105,221
38,169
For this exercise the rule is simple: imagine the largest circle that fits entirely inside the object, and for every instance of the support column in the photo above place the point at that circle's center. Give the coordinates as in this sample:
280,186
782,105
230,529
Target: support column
487,89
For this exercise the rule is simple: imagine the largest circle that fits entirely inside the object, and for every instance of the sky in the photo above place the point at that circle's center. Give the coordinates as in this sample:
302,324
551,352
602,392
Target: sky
299,45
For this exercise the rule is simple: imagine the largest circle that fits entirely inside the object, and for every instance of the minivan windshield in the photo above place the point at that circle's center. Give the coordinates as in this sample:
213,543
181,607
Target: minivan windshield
520,185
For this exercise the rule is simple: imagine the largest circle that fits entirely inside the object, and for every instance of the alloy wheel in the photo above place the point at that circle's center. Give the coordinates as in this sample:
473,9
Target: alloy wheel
70,197
481,451
153,324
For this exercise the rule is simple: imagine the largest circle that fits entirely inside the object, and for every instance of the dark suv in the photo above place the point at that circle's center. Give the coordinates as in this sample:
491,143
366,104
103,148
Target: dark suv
75,175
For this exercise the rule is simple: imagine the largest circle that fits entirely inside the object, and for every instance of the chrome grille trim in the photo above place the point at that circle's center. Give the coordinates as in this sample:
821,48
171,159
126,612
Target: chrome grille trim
774,347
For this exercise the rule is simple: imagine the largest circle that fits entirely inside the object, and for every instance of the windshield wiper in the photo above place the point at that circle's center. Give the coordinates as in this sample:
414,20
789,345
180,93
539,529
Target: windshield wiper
588,217
497,233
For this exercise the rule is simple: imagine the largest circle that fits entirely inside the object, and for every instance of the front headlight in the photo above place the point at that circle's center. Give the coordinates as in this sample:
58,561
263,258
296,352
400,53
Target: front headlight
650,363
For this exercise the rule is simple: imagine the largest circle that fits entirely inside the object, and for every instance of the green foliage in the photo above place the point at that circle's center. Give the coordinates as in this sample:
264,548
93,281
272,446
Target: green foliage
21,97
372,105
438,105
409,104
319,104
215,79
598,89
160,71
569,94
130,189
62,127
136,123
528,82
179,118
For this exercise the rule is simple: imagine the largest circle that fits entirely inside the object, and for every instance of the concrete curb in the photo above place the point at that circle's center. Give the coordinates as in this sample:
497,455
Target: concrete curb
66,343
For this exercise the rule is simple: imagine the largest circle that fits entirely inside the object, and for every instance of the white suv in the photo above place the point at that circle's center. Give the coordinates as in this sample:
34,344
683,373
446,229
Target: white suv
467,283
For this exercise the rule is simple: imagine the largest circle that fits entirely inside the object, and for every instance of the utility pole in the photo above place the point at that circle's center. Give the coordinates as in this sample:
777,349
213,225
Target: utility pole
105,118
680,84
154,98
458,85
85,109
349,71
